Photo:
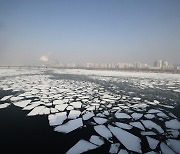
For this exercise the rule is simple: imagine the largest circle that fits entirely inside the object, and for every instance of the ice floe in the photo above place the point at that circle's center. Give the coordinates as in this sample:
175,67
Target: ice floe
73,114
165,149
100,120
174,145
122,115
150,124
137,125
81,146
174,124
122,151
152,142
88,115
96,140
4,105
6,97
130,141
114,148
57,119
123,125
69,126
103,131
22,103
36,111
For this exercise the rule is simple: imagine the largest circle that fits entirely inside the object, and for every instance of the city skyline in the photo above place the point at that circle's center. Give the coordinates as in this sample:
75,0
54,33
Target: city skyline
81,31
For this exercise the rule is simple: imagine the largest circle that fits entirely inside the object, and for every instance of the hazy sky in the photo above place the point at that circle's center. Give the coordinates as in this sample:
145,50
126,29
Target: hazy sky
89,30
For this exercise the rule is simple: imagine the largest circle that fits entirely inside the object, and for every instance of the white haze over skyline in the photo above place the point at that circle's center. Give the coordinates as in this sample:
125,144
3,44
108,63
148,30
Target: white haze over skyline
99,31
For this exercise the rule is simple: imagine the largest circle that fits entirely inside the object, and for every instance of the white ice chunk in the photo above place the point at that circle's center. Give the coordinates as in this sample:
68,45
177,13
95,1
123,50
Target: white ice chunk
77,104
22,103
96,140
45,111
174,144
130,141
91,108
88,115
53,110
165,149
57,119
81,146
148,133
156,102
173,132
163,115
136,116
31,106
16,98
152,142
150,124
174,124
114,148
4,105
6,97
69,126
58,102
36,110
136,98
151,152
73,114
61,107
149,116
100,120
122,115
103,131
138,125
123,125
122,151
153,111
70,108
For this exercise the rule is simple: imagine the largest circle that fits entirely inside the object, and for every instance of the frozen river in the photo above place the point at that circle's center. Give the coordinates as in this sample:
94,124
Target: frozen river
91,111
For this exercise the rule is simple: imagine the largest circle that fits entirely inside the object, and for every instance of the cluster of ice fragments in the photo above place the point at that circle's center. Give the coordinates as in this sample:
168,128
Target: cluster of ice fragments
122,121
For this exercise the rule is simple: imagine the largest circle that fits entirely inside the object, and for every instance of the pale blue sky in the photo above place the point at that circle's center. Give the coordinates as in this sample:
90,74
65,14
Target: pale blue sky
90,30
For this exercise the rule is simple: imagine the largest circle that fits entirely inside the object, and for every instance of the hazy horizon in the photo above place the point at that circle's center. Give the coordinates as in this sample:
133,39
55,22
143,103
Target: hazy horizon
89,31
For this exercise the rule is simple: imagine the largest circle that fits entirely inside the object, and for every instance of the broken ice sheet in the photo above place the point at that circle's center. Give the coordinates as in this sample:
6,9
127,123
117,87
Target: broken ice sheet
103,131
123,125
61,107
6,97
174,144
57,119
100,120
150,124
138,125
152,142
22,103
122,151
81,146
77,104
69,126
36,110
122,115
165,149
130,141
136,116
4,105
73,114
114,148
173,124
88,115
96,140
